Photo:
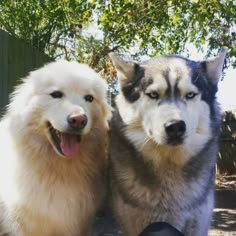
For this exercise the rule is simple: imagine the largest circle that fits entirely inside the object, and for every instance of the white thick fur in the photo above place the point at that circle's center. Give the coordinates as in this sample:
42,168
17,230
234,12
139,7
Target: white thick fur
41,193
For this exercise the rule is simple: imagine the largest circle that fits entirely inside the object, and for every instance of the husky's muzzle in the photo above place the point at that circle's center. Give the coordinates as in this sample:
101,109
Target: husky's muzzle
175,131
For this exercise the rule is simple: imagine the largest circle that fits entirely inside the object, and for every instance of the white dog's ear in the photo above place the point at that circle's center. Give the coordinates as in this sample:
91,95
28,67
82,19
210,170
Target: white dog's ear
125,70
214,66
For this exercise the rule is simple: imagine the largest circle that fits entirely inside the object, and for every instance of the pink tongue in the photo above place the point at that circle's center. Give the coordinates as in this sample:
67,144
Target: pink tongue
69,144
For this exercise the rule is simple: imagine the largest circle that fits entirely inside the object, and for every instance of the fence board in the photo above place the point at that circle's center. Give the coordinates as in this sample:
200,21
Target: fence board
17,59
226,163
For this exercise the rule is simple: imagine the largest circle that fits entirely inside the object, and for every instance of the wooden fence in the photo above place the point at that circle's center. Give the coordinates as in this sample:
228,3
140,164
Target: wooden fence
226,163
16,60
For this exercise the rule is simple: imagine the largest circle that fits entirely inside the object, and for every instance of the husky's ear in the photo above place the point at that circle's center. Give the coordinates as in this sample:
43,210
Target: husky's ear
125,70
214,66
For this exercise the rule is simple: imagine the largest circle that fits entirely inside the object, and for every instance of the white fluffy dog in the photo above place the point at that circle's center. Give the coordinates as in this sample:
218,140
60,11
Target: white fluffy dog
53,138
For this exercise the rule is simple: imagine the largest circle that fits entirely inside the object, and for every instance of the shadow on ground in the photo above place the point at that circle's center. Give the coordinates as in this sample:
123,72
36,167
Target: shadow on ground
224,220
226,199
224,217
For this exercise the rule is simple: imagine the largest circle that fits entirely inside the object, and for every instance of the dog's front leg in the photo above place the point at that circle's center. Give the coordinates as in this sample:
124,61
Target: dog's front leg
200,223
132,220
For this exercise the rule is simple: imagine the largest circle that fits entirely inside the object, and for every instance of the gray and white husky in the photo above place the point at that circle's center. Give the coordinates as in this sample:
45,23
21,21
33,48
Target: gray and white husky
164,136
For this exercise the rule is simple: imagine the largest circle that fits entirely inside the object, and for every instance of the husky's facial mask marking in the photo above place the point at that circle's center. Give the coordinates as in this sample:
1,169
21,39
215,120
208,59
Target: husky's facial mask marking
176,92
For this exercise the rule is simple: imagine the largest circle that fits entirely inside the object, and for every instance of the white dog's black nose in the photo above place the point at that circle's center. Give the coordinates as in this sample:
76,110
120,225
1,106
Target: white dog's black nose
77,121
175,129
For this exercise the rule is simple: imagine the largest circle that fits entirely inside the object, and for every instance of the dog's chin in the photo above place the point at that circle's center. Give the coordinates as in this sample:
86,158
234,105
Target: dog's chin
65,144
168,142
175,142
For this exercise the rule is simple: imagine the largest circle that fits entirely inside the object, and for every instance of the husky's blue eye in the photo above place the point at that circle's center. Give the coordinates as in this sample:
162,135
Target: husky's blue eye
57,94
190,95
153,95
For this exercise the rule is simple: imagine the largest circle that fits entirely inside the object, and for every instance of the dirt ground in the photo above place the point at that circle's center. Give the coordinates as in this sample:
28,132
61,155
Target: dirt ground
224,218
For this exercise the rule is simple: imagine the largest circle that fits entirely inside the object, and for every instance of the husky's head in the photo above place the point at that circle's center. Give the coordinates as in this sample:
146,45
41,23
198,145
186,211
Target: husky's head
170,100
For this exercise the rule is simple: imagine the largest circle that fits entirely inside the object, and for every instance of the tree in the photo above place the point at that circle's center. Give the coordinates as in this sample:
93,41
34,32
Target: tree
167,26
60,27
49,25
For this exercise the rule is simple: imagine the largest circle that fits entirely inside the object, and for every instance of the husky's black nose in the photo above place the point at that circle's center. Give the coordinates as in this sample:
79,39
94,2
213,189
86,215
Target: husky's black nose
175,130
77,121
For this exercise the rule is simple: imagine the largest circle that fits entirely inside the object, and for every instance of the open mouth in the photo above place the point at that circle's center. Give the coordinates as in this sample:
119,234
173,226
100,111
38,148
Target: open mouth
66,144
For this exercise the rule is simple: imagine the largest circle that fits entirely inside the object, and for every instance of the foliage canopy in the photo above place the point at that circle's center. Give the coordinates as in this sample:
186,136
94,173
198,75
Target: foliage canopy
88,30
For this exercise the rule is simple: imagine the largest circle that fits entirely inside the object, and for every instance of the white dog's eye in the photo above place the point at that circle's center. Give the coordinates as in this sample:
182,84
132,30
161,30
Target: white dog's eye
57,94
153,95
190,95
88,98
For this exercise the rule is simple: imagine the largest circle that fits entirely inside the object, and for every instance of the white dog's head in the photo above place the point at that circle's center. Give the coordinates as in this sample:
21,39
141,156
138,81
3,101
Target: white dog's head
169,100
62,101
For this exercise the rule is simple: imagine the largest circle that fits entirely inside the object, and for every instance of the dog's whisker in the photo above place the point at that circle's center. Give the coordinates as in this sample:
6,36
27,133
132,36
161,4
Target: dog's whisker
146,141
